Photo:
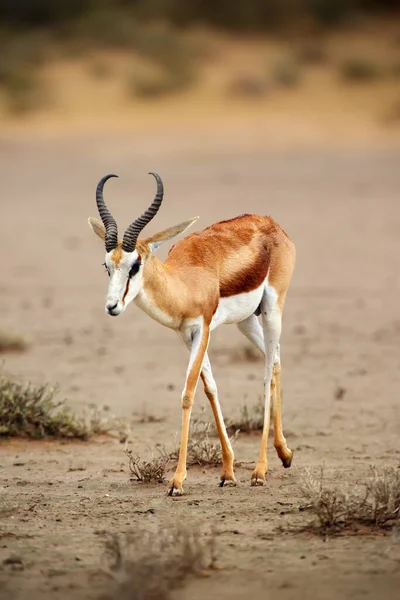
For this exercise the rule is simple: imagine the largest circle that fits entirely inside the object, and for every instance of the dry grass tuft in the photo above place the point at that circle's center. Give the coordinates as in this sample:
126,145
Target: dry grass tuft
151,471
202,450
246,353
375,503
30,411
144,417
148,564
12,342
250,419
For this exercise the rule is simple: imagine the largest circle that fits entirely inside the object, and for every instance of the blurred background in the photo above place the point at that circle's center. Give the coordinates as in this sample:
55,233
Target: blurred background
304,69
288,108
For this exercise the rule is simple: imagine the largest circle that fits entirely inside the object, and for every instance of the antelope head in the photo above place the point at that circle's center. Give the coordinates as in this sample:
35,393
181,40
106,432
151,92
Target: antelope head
126,259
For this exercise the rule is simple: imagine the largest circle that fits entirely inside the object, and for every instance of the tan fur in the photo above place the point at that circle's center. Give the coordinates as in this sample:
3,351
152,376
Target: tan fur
225,259
116,255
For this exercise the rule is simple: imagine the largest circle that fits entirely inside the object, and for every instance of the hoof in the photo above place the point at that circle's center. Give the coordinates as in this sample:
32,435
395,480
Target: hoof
257,480
175,491
258,475
175,488
287,461
227,483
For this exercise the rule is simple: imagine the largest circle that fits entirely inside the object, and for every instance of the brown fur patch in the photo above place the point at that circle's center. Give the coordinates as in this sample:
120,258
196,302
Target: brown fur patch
116,255
246,277
237,251
142,249
225,259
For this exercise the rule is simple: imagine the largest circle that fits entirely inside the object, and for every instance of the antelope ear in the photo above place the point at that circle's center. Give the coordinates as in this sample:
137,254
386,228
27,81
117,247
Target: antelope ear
98,227
163,236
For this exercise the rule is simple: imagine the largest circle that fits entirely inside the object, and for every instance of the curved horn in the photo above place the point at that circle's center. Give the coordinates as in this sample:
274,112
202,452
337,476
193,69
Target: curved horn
107,218
132,233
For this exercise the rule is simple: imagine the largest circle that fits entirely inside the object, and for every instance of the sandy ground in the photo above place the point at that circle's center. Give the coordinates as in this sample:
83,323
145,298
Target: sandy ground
341,327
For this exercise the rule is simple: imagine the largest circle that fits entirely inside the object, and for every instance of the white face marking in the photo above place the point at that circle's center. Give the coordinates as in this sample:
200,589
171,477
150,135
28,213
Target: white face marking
126,280
234,309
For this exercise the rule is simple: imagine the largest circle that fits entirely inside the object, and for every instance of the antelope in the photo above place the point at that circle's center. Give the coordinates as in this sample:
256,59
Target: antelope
231,272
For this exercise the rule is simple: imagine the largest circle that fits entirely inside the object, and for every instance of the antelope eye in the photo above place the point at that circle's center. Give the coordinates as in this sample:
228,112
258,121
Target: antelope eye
106,268
134,269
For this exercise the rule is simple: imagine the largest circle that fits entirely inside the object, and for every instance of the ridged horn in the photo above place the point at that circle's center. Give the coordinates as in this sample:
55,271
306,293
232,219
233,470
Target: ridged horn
132,233
107,218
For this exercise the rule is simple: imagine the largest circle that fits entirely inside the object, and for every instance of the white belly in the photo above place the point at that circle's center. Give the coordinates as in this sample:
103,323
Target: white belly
234,309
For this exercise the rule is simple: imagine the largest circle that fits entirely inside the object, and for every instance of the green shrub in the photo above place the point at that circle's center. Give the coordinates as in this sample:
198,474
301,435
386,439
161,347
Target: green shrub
30,411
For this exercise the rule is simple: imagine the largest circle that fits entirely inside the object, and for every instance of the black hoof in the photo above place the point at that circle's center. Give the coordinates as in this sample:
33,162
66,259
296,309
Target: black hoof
287,461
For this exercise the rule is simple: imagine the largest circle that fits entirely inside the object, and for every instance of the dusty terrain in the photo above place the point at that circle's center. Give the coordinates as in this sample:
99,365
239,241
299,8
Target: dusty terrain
341,328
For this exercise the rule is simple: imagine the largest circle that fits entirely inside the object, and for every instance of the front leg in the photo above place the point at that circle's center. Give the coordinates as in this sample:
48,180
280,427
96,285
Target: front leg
200,337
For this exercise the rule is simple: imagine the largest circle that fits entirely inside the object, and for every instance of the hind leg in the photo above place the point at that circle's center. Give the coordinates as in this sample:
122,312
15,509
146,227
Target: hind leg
252,329
210,388
281,447
272,325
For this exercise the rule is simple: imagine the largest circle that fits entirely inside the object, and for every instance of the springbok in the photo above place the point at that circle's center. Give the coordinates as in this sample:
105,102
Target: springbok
231,272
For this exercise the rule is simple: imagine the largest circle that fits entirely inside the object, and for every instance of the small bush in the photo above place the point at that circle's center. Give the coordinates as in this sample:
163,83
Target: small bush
201,449
149,563
22,50
11,342
146,417
152,85
250,419
312,53
247,353
20,57
100,69
329,13
166,46
375,503
359,70
244,353
286,73
29,411
113,27
174,58
247,86
151,471
24,91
